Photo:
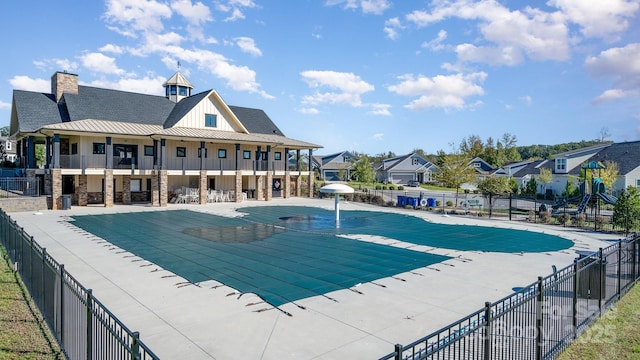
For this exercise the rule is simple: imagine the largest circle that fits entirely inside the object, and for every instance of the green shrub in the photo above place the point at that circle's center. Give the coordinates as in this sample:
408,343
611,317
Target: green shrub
400,187
580,220
378,187
392,187
438,203
545,216
564,219
449,203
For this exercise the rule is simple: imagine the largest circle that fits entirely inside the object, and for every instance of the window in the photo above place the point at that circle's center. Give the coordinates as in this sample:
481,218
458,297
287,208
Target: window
561,164
277,155
414,161
74,148
638,183
263,155
182,90
148,150
173,89
200,152
476,165
181,151
210,120
8,145
246,154
98,148
136,185
222,153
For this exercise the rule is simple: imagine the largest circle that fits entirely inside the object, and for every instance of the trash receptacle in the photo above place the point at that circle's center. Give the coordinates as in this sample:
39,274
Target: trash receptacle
402,200
431,202
66,202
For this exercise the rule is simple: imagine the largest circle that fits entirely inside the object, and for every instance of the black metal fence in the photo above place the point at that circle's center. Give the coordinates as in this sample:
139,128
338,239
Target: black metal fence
83,327
542,319
18,186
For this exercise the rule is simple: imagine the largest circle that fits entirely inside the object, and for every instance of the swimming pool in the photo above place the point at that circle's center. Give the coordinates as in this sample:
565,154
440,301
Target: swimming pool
286,253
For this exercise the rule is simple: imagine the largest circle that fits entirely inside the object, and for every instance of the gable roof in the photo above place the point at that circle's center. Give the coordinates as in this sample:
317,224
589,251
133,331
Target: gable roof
34,110
626,155
255,120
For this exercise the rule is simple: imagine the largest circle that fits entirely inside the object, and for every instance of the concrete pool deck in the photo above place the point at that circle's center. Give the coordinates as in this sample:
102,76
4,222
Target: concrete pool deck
211,321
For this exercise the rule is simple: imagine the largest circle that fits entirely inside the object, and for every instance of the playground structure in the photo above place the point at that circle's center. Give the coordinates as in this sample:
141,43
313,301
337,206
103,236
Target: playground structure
590,191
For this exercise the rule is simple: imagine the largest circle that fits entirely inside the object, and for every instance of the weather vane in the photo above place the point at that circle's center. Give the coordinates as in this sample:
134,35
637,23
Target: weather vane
178,64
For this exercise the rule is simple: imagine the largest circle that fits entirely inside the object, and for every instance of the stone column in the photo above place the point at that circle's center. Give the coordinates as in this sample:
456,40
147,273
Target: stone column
164,188
203,185
126,189
269,186
311,184
155,188
259,187
108,188
56,189
82,190
286,185
238,187
299,186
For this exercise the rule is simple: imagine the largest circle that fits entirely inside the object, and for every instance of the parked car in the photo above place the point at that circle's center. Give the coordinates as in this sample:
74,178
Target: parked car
414,183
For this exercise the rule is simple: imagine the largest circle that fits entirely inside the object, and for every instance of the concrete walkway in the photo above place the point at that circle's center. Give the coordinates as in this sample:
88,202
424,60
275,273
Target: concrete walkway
213,321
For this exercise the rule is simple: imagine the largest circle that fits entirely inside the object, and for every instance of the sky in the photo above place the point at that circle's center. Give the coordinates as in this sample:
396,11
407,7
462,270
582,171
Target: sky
372,76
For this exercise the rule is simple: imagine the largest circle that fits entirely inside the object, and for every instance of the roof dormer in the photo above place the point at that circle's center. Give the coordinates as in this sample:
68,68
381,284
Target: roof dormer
177,87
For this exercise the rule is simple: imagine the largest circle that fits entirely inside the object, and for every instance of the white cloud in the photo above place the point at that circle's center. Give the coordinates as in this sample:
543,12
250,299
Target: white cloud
526,99
441,91
111,48
130,16
21,82
195,14
248,45
146,85
309,111
391,27
436,44
368,6
622,65
601,19
380,109
507,34
101,63
56,65
378,136
234,8
5,105
347,87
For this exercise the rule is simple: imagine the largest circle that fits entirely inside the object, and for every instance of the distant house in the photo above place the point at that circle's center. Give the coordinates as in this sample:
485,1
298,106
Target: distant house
402,169
334,167
482,167
9,148
567,166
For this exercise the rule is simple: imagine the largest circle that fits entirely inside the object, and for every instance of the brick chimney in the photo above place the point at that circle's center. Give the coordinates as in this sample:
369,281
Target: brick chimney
63,82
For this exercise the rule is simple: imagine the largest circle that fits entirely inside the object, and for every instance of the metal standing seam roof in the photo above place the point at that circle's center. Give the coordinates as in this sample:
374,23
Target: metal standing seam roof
125,128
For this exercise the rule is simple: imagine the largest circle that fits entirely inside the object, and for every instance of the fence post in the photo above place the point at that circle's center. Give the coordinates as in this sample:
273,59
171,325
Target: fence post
602,280
635,256
62,305
539,299
619,267
487,331
42,295
575,299
135,345
89,323
398,351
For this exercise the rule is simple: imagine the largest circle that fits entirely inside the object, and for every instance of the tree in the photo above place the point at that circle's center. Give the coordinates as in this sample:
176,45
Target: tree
532,187
609,174
40,155
545,178
626,212
472,146
494,185
363,171
453,171
4,131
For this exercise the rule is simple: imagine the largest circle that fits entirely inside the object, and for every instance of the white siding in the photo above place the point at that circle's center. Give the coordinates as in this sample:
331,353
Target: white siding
195,117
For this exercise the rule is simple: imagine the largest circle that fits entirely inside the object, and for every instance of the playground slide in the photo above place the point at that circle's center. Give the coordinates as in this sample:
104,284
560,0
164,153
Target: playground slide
583,203
609,199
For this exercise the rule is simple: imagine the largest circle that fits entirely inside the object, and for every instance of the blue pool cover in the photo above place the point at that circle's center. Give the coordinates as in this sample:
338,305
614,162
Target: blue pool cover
284,254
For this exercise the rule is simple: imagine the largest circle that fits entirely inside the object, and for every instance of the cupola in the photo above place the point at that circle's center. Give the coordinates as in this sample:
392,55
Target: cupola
177,87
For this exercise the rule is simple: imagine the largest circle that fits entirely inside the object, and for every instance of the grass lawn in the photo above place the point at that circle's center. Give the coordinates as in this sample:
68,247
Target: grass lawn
23,333
614,336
